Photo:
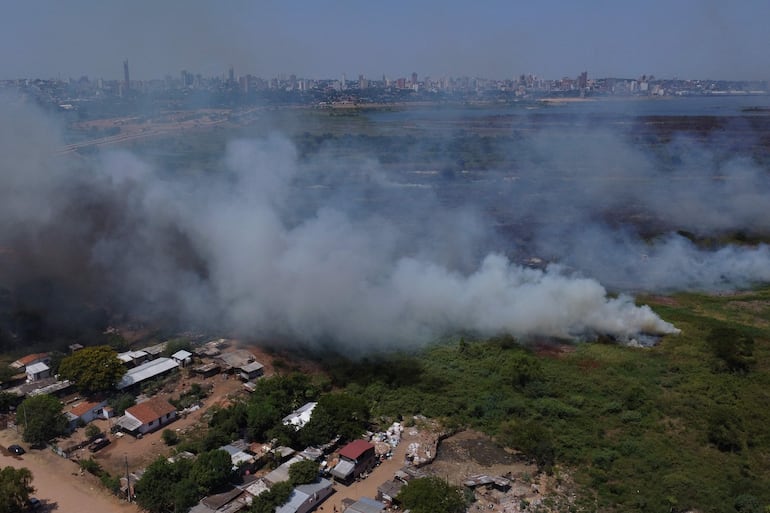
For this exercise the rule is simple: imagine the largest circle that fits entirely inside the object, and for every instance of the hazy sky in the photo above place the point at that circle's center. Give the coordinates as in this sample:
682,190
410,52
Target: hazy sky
322,39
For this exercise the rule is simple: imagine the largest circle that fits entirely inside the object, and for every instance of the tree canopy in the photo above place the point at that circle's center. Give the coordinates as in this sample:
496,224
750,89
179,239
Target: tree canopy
169,487
93,369
734,349
336,414
431,495
211,470
303,472
15,488
42,418
270,500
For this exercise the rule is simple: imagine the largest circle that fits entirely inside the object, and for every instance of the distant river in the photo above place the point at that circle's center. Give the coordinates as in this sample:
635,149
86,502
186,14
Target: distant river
666,106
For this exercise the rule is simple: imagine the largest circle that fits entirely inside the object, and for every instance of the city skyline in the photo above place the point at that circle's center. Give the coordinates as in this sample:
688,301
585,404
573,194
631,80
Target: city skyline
496,40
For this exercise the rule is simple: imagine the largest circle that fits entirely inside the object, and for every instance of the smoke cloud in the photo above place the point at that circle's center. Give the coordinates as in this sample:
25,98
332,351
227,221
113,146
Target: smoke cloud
268,245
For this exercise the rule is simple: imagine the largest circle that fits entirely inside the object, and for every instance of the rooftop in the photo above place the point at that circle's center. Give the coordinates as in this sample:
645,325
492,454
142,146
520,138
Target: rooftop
181,355
305,492
146,371
151,410
365,505
38,367
30,358
81,409
355,449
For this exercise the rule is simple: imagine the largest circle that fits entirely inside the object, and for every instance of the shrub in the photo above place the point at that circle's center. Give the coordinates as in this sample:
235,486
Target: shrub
170,437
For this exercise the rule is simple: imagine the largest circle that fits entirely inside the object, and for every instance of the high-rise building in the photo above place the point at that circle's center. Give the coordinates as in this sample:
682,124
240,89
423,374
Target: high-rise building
583,80
126,81
231,75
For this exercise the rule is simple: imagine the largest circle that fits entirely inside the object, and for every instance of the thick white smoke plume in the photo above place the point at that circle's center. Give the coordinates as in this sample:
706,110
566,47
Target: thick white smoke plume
241,249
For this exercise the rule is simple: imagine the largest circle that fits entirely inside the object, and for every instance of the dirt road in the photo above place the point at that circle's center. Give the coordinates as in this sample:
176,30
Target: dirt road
58,483
368,487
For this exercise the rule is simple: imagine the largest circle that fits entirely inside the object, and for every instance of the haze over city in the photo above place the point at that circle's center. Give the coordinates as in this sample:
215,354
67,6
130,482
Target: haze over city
496,39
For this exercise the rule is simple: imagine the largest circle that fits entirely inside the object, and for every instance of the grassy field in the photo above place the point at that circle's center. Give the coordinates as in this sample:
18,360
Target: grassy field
667,428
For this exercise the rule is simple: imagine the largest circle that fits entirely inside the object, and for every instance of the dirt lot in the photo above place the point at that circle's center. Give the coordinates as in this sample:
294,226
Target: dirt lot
140,452
470,453
58,483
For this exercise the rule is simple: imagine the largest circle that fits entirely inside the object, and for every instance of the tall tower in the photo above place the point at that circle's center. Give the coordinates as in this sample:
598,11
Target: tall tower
126,81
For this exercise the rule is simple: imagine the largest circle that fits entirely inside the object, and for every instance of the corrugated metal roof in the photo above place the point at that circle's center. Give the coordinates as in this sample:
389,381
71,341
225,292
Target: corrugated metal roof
36,368
181,355
146,371
281,473
355,449
365,505
313,492
343,469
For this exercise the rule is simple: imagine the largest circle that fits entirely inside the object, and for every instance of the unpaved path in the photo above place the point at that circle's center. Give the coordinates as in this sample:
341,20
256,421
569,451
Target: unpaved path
368,487
58,483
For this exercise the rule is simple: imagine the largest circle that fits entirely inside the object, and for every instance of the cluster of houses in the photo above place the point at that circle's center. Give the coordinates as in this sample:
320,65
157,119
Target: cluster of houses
355,459
34,377
351,462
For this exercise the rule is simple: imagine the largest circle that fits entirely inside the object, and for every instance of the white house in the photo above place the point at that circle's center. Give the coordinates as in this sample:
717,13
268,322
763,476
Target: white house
299,417
182,357
84,412
147,416
37,371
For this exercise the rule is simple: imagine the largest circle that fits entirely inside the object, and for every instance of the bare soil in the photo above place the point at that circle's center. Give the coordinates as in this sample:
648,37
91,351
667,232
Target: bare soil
59,484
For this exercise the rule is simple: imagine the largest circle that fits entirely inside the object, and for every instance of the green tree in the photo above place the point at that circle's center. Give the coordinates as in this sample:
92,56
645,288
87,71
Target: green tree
42,419
8,399
6,373
170,437
121,402
211,470
431,495
725,429
270,500
336,414
735,350
303,472
93,431
522,369
166,487
177,344
15,488
93,369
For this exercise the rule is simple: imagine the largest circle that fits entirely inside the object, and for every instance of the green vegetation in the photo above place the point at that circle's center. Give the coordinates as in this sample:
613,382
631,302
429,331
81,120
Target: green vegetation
93,431
167,487
93,369
42,419
303,472
15,489
259,417
170,437
110,482
8,400
270,500
119,403
195,394
682,425
431,495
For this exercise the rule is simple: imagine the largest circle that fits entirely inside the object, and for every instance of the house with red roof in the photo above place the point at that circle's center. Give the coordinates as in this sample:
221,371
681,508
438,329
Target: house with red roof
148,416
355,458
84,412
31,359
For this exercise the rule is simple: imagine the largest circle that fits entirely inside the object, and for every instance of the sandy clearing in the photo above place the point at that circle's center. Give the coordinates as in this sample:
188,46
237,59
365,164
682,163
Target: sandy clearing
58,483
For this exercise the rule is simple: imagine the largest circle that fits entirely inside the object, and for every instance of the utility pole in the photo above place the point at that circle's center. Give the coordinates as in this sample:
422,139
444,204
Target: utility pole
128,481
